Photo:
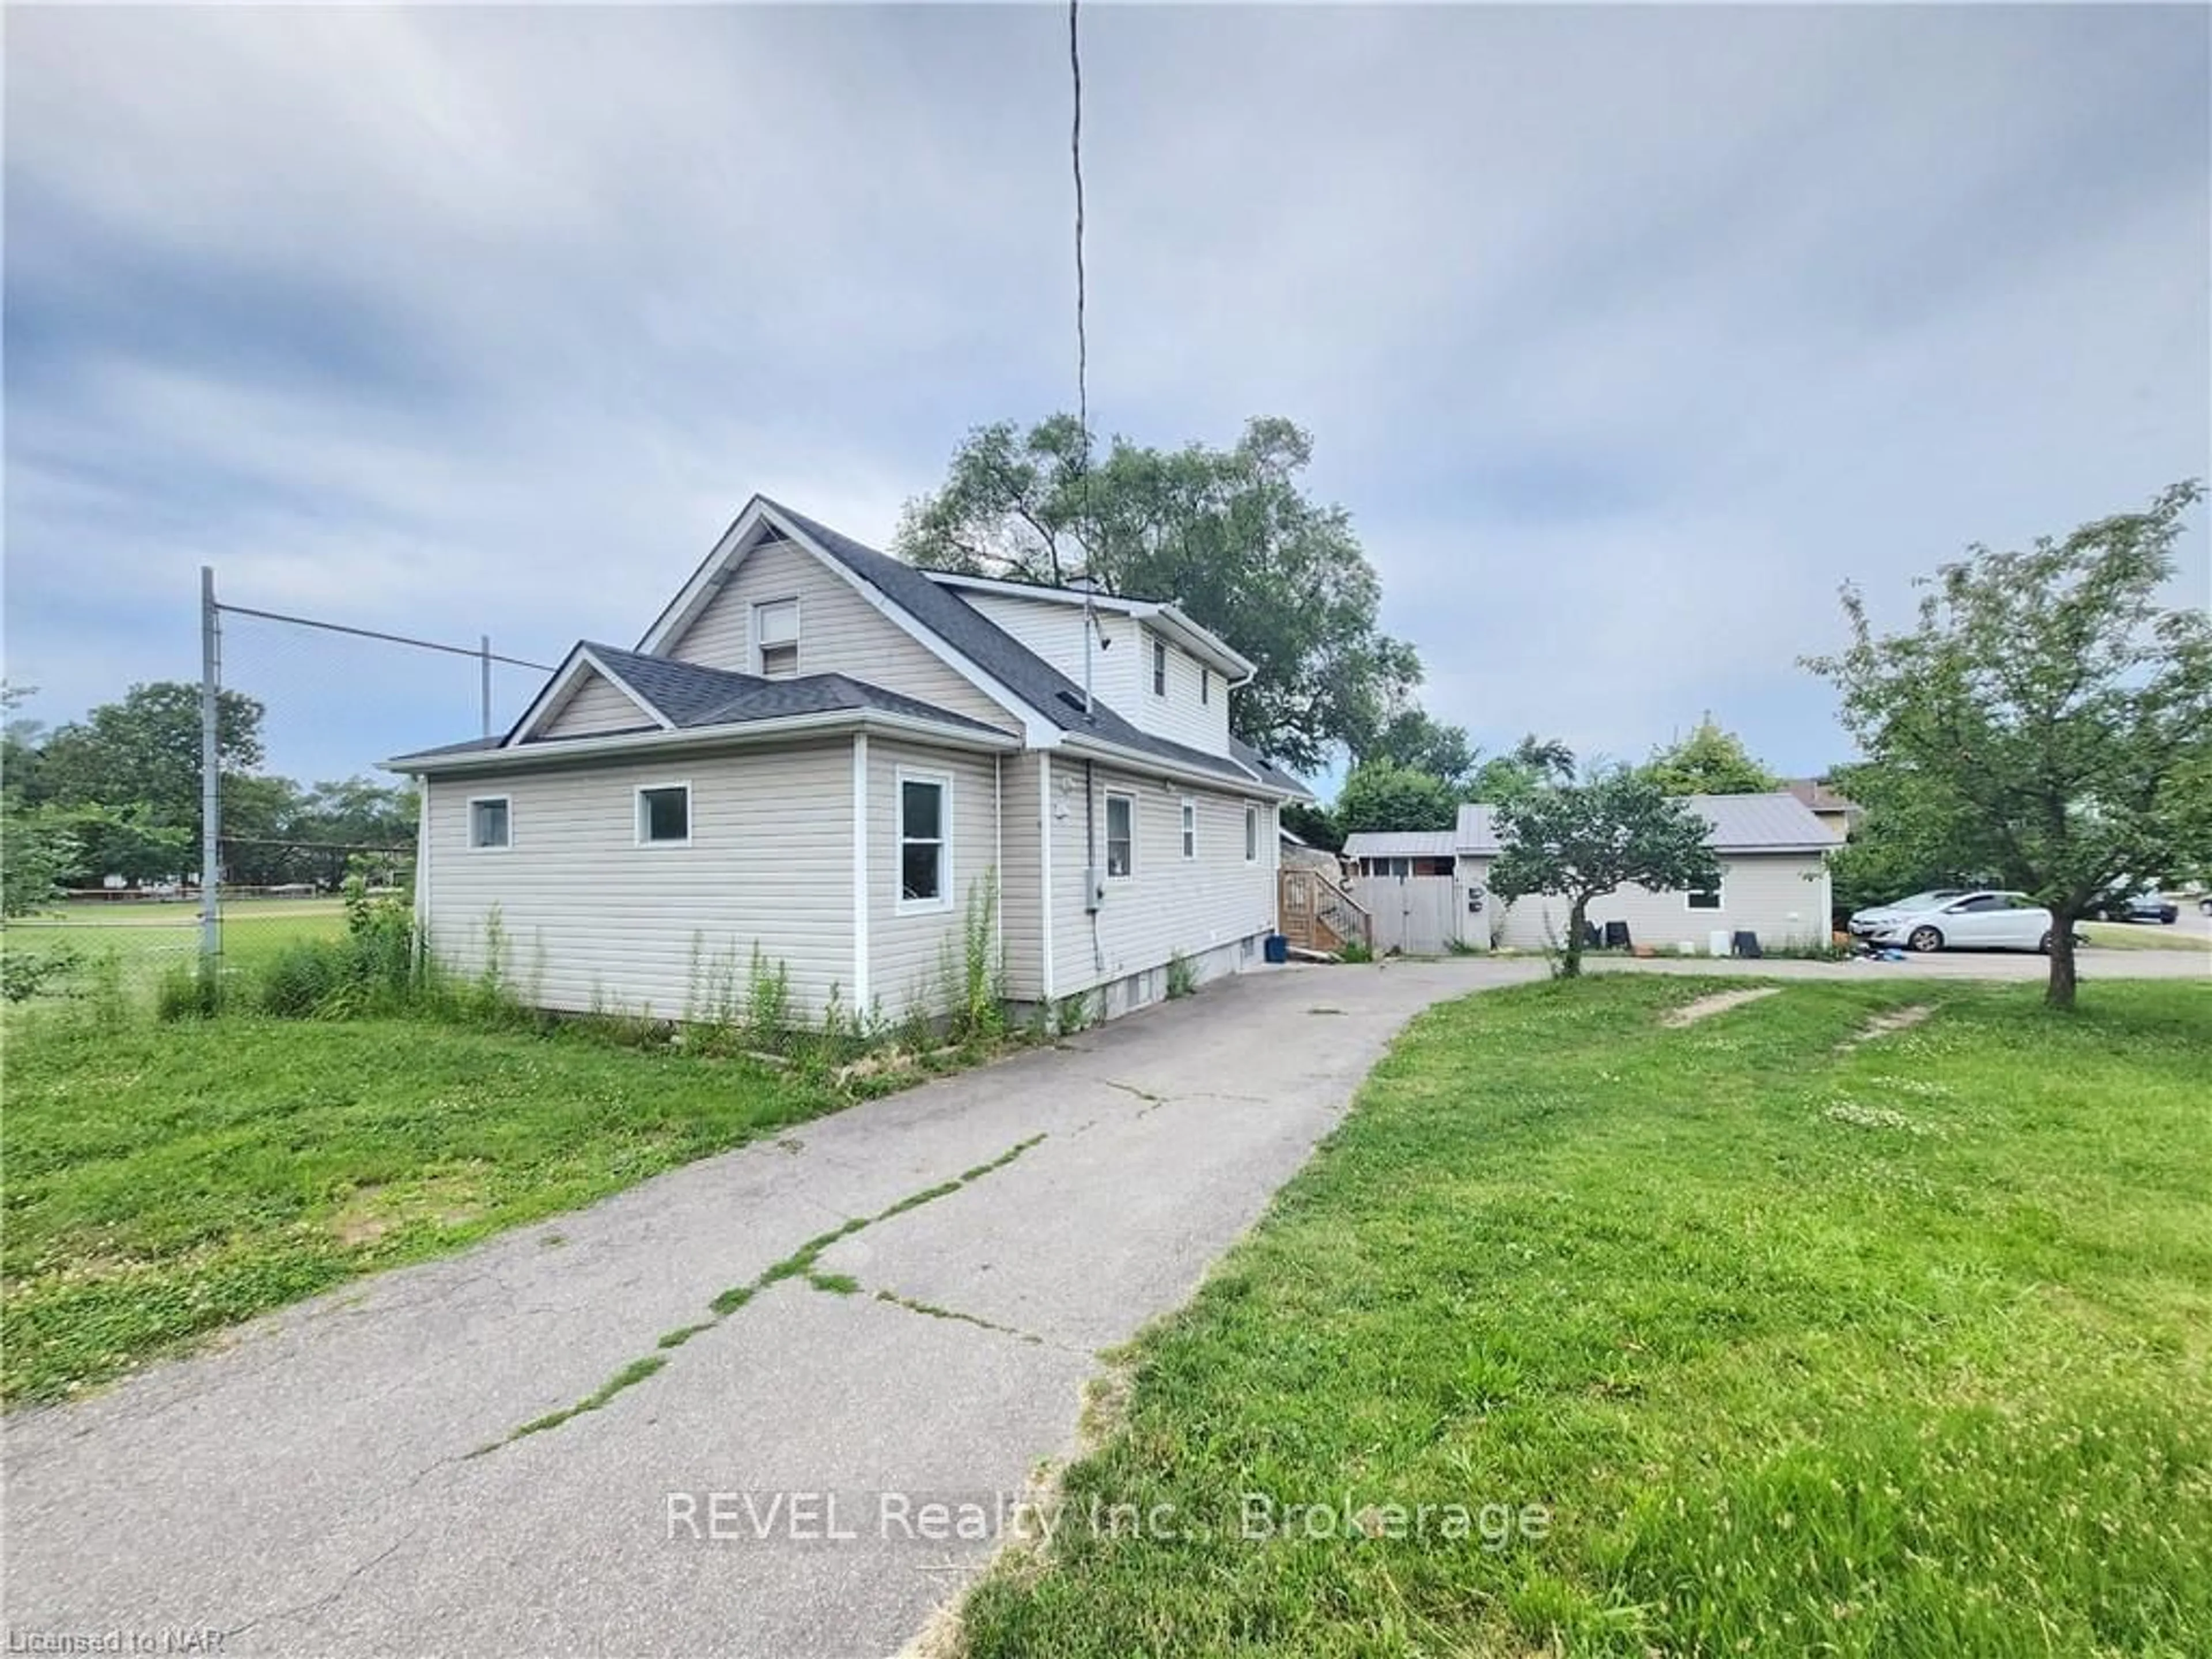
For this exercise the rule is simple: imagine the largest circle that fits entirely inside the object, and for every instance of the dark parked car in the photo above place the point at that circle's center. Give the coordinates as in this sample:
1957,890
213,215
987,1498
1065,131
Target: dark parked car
2146,906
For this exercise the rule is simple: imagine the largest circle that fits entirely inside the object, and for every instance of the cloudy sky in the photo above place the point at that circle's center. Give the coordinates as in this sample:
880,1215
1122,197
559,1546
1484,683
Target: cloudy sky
1624,334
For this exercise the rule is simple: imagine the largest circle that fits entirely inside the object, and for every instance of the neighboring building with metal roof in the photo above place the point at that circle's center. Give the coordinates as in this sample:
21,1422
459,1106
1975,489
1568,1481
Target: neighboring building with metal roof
824,753
1401,852
1772,851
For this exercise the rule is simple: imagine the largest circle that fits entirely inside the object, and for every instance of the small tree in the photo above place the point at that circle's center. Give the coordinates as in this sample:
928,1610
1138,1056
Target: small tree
2045,719
1710,761
1580,840
37,848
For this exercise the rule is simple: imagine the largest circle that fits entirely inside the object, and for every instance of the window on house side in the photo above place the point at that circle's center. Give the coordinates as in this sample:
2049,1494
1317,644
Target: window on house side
1703,898
1159,668
922,830
664,815
1121,836
1205,685
1190,829
488,821
1251,834
775,628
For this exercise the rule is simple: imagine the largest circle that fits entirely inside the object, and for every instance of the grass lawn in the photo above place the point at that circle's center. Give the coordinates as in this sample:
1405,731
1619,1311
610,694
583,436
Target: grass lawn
165,1181
2145,936
145,939
1727,1340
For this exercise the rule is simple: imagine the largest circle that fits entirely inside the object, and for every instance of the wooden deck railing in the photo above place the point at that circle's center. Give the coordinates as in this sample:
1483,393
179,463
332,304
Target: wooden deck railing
1316,914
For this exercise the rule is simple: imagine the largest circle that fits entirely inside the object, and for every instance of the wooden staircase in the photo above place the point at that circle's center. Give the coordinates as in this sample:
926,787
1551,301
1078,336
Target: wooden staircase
1316,914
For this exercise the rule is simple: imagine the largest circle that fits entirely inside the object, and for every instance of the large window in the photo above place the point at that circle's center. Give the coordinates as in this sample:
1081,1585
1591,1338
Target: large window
1251,834
1121,836
664,815
1190,829
1159,666
490,823
775,633
925,828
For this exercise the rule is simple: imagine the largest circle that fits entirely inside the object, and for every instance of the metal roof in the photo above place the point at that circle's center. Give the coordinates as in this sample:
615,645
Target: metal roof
1401,844
1777,822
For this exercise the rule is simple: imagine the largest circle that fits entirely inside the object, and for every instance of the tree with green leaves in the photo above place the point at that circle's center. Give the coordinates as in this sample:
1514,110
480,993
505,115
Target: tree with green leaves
1531,764
39,850
1383,795
2046,718
1710,761
1412,737
1580,840
1229,535
145,751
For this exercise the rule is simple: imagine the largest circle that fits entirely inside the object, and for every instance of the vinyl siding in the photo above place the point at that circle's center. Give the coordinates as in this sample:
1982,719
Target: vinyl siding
839,632
1783,897
1021,864
591,917
1179,715
596,704
1170,905
907,953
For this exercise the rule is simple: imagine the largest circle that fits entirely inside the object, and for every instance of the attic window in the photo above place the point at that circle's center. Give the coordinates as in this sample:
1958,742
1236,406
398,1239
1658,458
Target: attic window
1160,667
1205,685
775,636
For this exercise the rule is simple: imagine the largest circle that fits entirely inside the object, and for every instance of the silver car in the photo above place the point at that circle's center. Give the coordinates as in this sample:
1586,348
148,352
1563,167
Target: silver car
1947,920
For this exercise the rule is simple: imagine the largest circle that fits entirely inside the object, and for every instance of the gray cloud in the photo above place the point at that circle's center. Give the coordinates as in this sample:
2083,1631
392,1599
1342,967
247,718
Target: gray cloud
1626,334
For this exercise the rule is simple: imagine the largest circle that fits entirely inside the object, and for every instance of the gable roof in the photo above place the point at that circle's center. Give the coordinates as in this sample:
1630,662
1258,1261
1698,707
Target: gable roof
1401,843
1049,695
1777,822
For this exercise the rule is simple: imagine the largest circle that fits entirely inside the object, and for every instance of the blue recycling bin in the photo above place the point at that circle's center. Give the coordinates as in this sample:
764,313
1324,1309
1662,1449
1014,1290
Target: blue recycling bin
1278,948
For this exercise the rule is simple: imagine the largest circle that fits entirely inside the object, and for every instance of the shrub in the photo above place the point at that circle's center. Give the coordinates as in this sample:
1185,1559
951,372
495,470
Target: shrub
27,973
1182,978
975,989
768,1000
189,991
1354,950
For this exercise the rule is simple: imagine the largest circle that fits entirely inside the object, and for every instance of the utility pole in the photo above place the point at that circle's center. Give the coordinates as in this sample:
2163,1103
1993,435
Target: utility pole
211,771
484,687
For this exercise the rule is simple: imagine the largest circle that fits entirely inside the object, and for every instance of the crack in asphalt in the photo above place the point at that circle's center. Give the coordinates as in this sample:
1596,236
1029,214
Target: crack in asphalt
799,1264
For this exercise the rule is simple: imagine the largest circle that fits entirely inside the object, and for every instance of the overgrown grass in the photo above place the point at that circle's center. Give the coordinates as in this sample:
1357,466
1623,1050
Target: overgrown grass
1896,1347
163,1181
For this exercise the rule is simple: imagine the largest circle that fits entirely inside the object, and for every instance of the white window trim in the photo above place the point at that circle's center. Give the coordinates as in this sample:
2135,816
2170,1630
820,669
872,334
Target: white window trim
1187,827
475,801
1252,829
798,632
1159,666
1719,889
1106,836
637,811
1205,684
906,906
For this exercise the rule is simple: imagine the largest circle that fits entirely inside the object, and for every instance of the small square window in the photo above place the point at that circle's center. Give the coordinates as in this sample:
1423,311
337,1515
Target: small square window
664,815
488,823
1121,836
1190,829
1159,668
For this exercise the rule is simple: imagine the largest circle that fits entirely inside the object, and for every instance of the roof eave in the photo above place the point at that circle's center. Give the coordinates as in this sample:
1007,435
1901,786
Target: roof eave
735,734
1137,760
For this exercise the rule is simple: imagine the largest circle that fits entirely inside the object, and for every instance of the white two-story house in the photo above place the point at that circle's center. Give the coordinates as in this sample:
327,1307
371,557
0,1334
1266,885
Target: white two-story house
820,752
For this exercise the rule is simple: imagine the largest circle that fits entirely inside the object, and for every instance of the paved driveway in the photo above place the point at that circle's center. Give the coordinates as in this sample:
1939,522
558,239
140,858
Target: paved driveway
309,1488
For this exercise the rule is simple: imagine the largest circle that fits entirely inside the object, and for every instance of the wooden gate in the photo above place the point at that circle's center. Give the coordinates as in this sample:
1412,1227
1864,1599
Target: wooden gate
1417,915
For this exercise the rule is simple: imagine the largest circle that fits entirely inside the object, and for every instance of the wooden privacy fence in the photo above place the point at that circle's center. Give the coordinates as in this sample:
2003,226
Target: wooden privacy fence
1417,915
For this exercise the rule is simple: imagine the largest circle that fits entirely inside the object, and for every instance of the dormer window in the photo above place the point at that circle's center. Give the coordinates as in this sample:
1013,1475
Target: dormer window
775,640
1159,666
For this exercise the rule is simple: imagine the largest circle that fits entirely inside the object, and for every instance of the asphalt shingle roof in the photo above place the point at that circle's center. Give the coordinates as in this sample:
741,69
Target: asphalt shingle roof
691,695
1779,822
1007,661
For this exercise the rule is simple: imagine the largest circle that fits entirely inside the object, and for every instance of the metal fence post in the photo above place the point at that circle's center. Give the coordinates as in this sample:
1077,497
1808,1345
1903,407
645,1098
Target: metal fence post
210,770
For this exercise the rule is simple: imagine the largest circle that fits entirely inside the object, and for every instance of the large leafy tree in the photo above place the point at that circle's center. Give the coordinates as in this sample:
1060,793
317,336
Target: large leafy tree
1531,764
1412,737
1580,840
1710,761
1383,795
145,751
1229,535
2046,718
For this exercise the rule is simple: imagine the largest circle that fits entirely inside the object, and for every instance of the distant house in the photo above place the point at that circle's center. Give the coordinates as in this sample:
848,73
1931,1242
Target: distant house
1840,815
1772,851
825,754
